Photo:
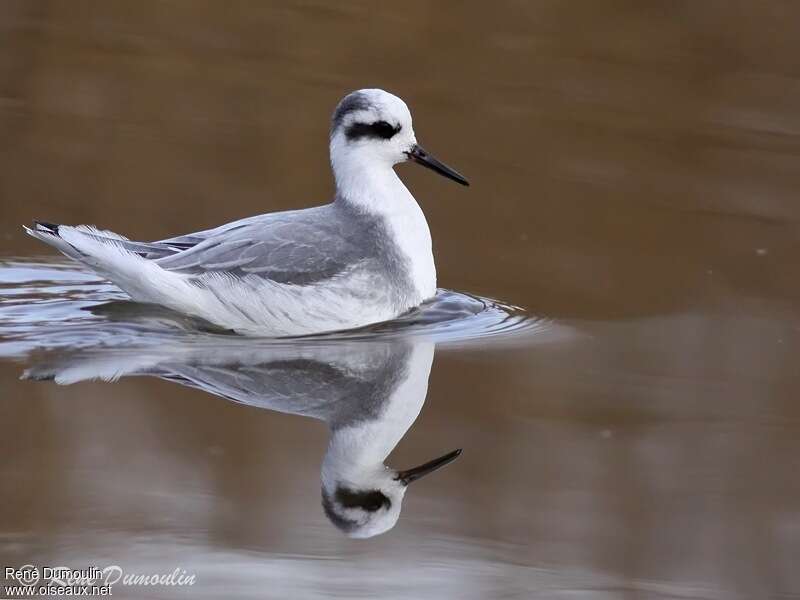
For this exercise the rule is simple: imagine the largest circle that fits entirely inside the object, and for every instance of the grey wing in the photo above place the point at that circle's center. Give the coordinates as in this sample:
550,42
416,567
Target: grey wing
342,385
184,242
299,247
300,387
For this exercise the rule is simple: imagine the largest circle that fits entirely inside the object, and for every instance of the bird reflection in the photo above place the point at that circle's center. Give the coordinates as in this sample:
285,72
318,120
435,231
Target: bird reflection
368,392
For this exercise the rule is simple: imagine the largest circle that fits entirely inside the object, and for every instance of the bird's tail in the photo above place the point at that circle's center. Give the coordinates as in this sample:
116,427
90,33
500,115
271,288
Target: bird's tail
50,233
127,264
65,370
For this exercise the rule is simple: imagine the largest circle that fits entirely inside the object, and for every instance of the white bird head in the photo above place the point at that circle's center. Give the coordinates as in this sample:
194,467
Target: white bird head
367,503
372,130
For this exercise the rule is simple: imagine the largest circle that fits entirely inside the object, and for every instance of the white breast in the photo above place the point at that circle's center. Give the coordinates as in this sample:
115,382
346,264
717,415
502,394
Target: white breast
369,182
409,229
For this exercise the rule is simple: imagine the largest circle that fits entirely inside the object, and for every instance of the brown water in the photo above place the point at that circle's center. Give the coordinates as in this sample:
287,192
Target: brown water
634,171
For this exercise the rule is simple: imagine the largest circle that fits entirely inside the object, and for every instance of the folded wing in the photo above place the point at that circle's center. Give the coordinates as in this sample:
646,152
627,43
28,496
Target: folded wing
296,247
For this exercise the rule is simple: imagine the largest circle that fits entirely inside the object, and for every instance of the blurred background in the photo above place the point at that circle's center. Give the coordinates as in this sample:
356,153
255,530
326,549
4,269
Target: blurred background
634,170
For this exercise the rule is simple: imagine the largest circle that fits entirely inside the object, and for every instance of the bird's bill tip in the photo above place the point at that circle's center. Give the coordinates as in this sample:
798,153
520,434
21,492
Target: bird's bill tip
419,155
427,468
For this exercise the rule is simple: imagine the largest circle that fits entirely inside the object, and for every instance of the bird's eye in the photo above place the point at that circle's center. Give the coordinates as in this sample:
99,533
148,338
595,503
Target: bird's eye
373,504
383,130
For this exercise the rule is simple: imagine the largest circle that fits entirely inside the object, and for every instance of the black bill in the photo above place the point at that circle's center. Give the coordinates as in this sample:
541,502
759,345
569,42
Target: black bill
429,467
420,156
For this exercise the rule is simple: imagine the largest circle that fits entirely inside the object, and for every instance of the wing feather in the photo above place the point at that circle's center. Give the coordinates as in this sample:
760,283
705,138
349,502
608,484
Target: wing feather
297,247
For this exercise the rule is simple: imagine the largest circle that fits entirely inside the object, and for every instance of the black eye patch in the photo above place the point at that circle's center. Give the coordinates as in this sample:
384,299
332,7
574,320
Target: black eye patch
378,130
369,500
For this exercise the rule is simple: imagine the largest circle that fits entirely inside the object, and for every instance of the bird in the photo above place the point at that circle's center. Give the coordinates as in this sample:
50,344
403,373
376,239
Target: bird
366,257
369,392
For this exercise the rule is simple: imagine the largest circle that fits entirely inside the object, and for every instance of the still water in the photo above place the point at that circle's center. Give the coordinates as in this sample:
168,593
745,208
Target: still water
627,407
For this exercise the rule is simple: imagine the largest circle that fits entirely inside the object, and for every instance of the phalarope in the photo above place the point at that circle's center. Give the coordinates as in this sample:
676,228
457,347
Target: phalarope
364,258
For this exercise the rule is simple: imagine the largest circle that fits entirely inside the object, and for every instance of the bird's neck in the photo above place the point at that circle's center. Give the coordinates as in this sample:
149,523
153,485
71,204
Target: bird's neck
373,187
360,448
370,183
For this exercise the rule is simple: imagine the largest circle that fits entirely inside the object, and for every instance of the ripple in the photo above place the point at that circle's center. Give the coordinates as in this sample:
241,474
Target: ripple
53,303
